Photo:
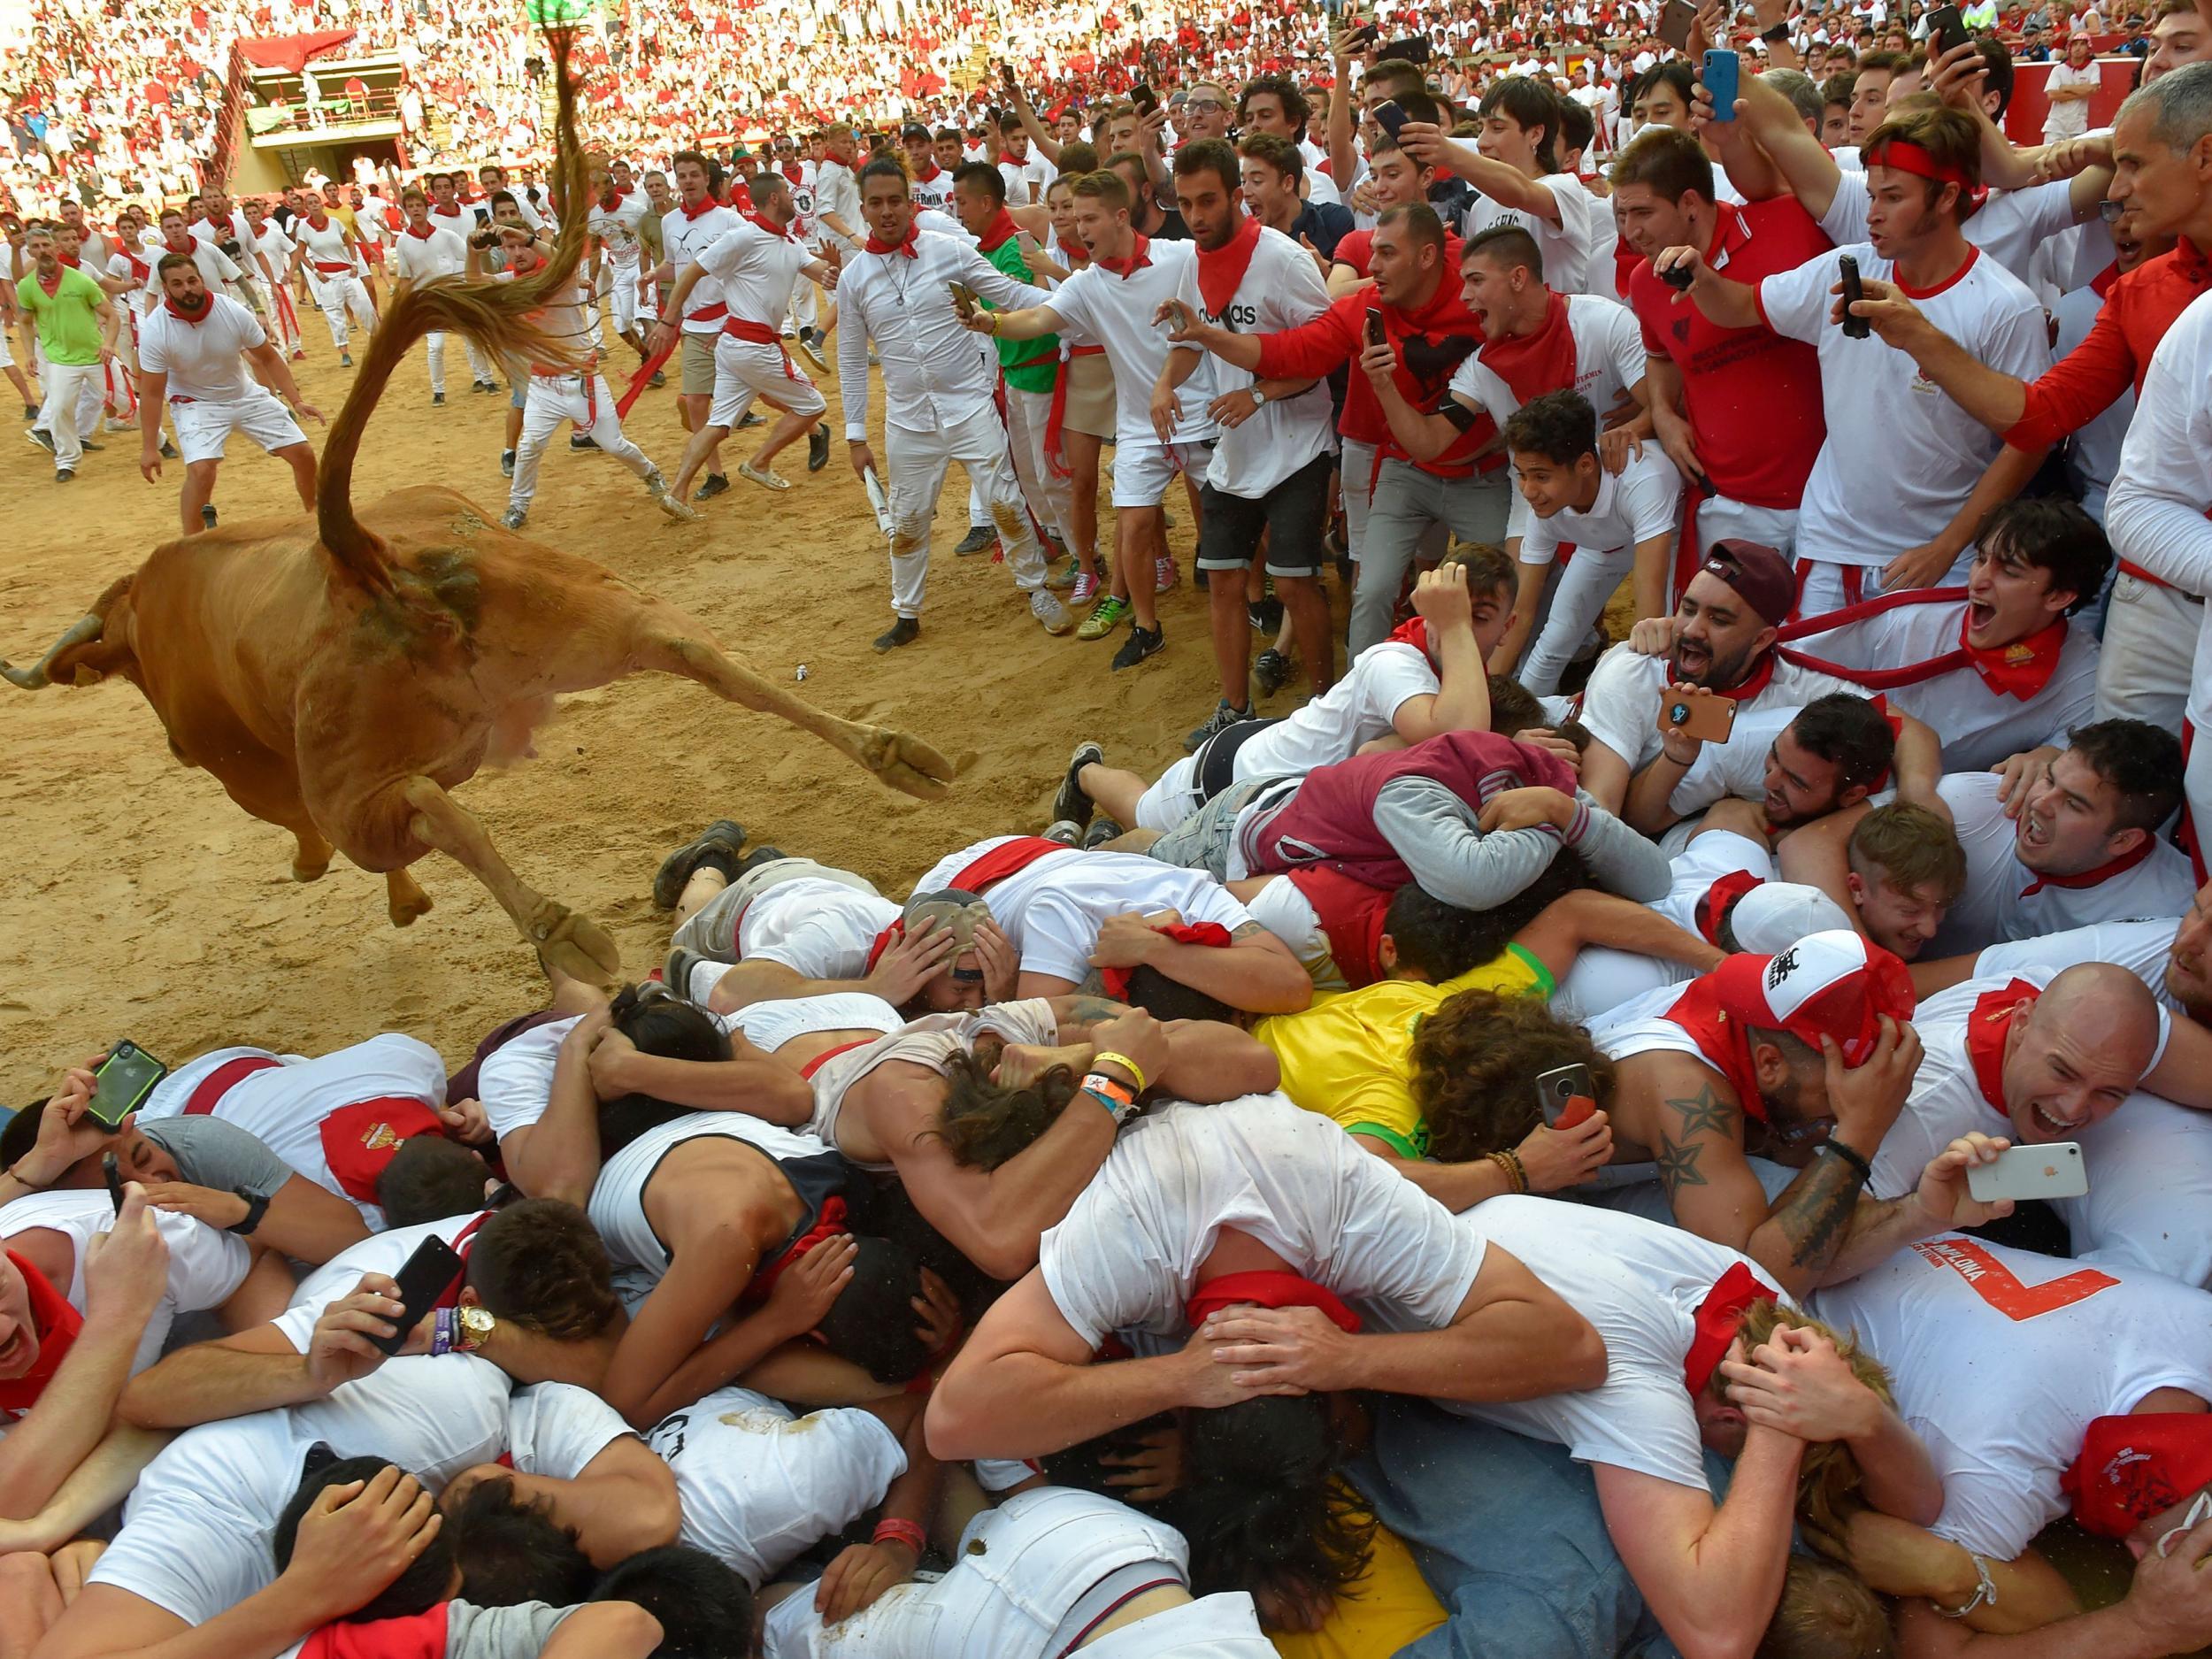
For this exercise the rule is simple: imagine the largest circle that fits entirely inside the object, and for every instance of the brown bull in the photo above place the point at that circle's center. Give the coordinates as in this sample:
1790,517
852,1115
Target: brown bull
340,678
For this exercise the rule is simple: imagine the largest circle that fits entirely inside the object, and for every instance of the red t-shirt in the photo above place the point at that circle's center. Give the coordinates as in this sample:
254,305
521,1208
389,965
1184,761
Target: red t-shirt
1753,397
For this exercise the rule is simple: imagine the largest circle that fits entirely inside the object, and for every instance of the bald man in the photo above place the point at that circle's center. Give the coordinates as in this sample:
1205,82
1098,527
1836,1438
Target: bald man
2042,1054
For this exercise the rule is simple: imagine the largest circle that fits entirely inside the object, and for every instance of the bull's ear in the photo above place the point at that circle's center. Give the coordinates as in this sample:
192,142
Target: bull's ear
85,675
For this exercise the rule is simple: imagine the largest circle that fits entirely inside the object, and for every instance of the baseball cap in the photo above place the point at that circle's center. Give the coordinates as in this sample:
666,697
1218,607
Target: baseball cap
1774,915
949,907
915,129
2132,1468
1831,984
1761,577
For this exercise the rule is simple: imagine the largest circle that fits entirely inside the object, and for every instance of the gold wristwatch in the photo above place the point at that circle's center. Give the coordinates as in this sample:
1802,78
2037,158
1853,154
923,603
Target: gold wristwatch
477,1326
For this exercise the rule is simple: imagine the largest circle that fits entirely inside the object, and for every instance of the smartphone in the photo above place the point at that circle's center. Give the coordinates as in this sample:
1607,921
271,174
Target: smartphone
1676,19
114,1171
423,1282
1855,327
1946,30
1390,117
1566,1095
1366,33
1006,76
1413,49
1377,335
1144,98
964,300
2055,1170
1679,277
1719,76
125,1079
1708,719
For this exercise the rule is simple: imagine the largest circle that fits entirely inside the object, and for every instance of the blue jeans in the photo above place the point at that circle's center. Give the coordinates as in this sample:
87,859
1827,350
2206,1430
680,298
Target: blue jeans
1507,1534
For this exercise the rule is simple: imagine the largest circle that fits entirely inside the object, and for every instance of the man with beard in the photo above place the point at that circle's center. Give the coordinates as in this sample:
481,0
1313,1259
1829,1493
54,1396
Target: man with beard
190,355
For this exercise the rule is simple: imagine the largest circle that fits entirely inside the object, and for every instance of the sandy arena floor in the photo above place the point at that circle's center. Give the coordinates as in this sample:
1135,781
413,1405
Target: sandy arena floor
135,900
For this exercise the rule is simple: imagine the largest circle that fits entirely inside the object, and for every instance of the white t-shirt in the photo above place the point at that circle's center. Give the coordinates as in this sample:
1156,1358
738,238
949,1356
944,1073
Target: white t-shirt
822,930
2000,1360
1608,360
1641,502
1125,1258
1621,708
2142,948
329,251
1565,246
1603,980
201,359
1356,709
1979,727
384,1252
216,267
1282,289
931,1041
1900,456
755,271
758,1483
1641,1283
683,240
2009,226
933,192
418,258
2069,117
206,1265
2002,898
1117,311
516,1080
1053,910
557,1429
615,228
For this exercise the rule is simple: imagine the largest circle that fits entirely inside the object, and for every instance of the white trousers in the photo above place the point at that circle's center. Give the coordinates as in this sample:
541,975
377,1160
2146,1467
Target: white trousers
918,461
2150,638
1579,594
588,401
1823,585
623,296
72,407
337,295
1050,500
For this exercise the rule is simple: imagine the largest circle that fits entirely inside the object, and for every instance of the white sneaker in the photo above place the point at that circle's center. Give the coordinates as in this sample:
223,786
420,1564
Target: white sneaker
1045,606
681,511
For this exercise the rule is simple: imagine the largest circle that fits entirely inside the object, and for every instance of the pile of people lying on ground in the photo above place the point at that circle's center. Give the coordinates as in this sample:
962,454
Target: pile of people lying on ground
1434,1172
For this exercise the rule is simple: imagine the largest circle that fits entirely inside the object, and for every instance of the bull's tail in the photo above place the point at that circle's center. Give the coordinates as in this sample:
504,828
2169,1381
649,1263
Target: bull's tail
82,632
499,316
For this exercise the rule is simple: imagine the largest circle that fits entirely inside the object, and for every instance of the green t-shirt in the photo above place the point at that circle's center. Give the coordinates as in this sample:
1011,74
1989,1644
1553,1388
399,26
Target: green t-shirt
67,319
1029,366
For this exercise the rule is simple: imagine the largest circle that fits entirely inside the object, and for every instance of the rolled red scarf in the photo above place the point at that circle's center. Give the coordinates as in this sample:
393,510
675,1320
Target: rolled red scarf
1212,934
1268,1288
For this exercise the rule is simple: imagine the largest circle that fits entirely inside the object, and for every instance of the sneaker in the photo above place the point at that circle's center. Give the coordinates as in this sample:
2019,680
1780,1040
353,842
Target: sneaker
1045,607
1141,643
904,631
1224,717
1086,588
437,400
207,516
657,381
1265,615
582,440
1102,830
89,446
1104,619
1069,801
815,338
30,411
809,357
817,446
506,464
65,475
44,440
1165,575
656,487
345,359
717,484
751,420
981,539
769,480
168,450
725,836
477,385
515,517
1065,831
676,971
758,857
1060,578
1270,671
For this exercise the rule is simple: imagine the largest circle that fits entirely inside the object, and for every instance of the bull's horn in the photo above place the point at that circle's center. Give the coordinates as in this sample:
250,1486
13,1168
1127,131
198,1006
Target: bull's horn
34,679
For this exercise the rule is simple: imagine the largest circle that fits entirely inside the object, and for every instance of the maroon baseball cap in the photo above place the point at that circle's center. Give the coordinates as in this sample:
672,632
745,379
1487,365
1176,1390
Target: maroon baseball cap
1761,576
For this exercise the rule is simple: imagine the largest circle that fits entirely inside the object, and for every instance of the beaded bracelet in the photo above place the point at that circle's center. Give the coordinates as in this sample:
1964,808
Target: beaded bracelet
893,1531
1515,1171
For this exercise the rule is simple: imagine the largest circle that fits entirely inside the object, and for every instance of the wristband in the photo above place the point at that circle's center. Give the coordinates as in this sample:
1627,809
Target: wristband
33,1185
1112,1088
1118,1109
442,1331
1849,1155
1776,36
1515,1171
1985,1591
1108,1057
898,1531
257,1206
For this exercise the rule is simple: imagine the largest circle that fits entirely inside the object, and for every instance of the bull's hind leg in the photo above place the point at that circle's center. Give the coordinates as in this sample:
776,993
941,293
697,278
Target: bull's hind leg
905,763
566,942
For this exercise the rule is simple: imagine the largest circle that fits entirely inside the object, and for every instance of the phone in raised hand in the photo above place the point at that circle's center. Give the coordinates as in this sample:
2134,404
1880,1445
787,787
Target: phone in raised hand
1855,327
122,1082
1390,117
1566,1095
423,1282
1719,73
1698,714
2052,1170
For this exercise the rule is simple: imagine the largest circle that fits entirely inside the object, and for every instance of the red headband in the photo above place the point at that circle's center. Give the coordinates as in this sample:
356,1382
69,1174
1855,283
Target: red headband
1907,156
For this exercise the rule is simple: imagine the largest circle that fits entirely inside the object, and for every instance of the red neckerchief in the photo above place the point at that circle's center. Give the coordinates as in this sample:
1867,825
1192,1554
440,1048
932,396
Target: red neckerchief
1719,1318
52,288
930,177
2021,669
319,223
827,1224
1987,1029
2104,871
425,234
1723,1039
1221,270
905,246
360,1140
416,1636
793,172
606,207
57,1324
1268,1289
1006,158
1413,632
771,226
206,310
700,211
1532,365
1139,257
1712,908
463,1243
1076,254
1212,934
1753,684
1001,231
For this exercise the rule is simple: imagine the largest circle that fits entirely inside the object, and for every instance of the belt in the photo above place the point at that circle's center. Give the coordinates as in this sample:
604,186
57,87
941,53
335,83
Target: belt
329,270
757,333
713,313
2129,567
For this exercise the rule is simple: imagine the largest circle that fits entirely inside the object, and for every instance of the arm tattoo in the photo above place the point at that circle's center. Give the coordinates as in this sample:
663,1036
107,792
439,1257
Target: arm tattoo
1701,1114
1677,1166
1081,1010
1815,1214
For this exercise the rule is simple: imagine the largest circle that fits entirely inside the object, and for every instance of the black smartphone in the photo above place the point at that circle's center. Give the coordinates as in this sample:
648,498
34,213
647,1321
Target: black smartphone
1375,334
124,1081
1946,30
1414,49
1144,98
1390,117
1854,327
114,1173
1366,33
1679,277
1006,76
423,1282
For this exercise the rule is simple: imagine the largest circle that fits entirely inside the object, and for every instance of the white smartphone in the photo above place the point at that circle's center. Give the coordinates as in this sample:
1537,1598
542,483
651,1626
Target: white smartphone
2054,1171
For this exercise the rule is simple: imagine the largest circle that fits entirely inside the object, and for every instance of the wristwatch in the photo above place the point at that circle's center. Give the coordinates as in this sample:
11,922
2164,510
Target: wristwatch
257,1206
477,1326
1258,396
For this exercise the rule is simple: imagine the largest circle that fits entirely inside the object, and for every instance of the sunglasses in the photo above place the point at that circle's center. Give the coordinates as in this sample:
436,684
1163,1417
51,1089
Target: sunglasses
2111,212
1204,106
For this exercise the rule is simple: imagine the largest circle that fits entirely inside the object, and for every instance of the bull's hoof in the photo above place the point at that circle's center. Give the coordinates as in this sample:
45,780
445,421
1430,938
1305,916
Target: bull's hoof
909,766
403,900
302,870
575,946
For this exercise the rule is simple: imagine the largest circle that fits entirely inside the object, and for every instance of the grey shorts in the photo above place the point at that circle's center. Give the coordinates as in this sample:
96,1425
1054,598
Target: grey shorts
1203,840
712,933
697,356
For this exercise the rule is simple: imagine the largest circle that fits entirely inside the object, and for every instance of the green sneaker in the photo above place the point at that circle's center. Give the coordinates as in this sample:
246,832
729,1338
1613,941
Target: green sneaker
1102,621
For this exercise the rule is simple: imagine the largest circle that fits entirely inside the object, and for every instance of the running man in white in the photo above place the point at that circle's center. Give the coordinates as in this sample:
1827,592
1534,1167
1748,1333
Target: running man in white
192,354
617,211
755,265
424,250
325,252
